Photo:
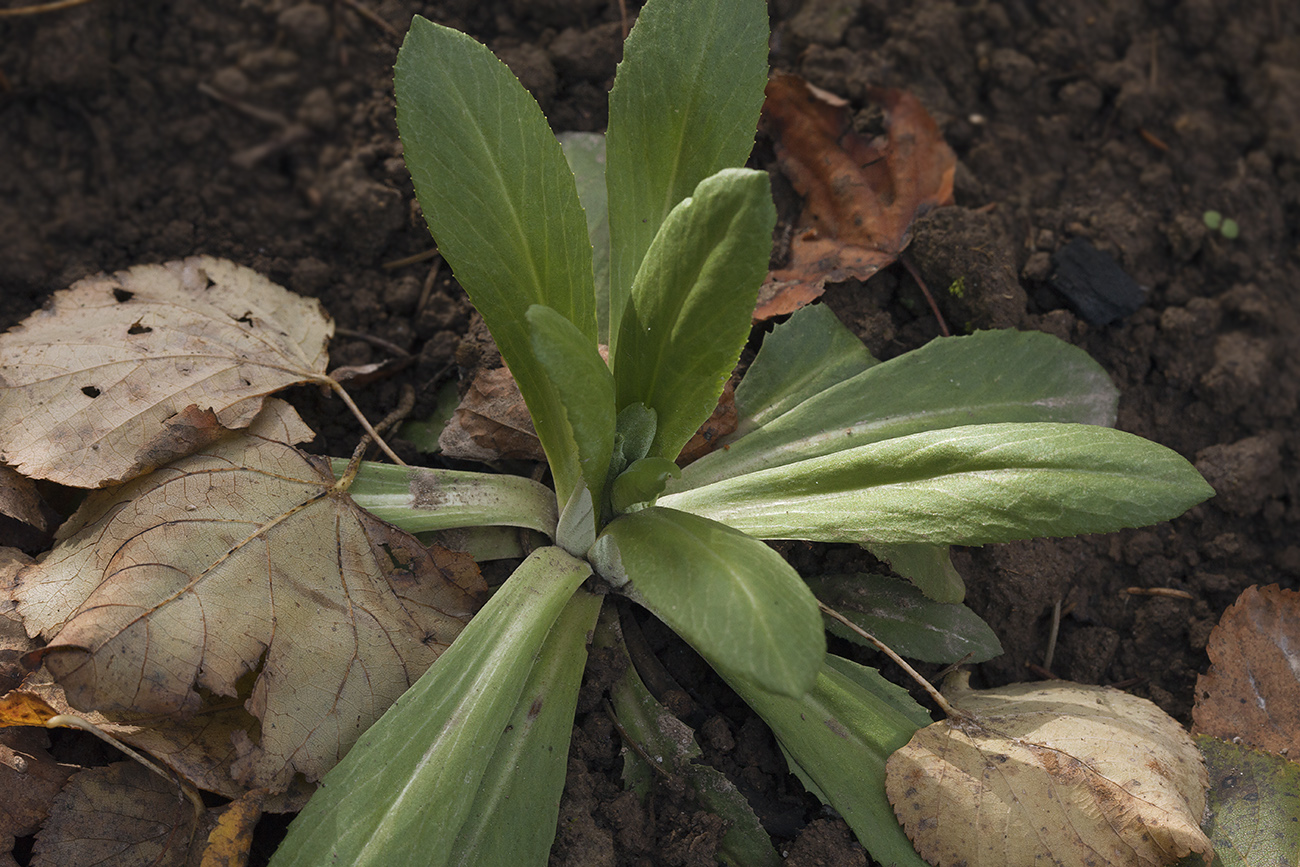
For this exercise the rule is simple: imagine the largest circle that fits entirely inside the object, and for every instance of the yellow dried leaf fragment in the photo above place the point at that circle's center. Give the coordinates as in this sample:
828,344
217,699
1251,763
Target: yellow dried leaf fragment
122,373
1060,773
244,558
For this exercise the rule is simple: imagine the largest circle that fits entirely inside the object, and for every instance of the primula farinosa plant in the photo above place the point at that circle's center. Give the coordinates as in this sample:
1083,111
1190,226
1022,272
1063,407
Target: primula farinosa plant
969,440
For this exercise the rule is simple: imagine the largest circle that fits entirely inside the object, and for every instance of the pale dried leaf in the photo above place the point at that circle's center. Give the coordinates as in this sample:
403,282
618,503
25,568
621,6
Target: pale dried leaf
492,422
244,558
1252,690
29,778
121,815
1059,773
26,521
122,373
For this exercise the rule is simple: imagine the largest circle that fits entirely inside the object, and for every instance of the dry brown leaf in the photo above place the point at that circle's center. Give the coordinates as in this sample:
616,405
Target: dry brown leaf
1252,690
232,837
122,373
1059,773
30,779
26,520
715,427
122,815
244,558
860,197
492,422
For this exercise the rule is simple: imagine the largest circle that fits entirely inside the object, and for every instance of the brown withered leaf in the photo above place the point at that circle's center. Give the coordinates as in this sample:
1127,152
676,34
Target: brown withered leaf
231,837
1059,773
122,815
244,558
492,422
860,197
1252,690
122,373
26,520
30,780
715,427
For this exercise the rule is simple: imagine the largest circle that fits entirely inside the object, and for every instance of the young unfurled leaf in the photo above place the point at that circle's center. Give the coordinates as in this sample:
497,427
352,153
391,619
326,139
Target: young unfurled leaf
735,600
1252,690
501,202
860,197
684,106
687,318
122,373
241,556
1062,772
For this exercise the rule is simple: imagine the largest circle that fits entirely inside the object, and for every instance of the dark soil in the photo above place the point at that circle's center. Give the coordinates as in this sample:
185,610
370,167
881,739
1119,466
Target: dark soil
1116,123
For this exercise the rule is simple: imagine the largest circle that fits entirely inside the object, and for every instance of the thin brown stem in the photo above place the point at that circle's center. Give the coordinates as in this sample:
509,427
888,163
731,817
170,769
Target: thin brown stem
925,290
942,702
41,7
356,411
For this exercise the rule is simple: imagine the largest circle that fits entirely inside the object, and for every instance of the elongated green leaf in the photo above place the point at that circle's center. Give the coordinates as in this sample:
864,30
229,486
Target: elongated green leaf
418,499
512,821
984,378
432,749
672,746
1252,806
501,202
689,314
929,567
802,357
960,486
732,598
899,615
838,738
685,105
586,390
585,152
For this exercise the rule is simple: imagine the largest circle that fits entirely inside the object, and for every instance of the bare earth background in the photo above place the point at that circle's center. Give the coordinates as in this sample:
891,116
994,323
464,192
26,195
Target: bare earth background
137,131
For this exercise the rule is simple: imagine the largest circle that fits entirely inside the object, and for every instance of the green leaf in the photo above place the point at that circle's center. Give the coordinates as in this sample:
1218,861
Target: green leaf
685,105
689,314
423,433
984,378
805,355
434,746
960,486
524,780
641,482
586,390
837,739
671,745
929,567
501,202
1252,806
732,598
418,499
899,615
585,152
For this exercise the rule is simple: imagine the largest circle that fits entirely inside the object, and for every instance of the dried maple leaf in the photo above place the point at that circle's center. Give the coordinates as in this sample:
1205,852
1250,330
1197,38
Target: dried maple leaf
860,197
244,558
122,373
1060,773
1252,690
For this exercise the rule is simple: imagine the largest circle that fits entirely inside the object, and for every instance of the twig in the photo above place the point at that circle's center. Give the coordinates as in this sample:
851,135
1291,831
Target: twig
1167,592
410,260
950,711
1051,636
373,17
290,133
388,346
41,7
925,290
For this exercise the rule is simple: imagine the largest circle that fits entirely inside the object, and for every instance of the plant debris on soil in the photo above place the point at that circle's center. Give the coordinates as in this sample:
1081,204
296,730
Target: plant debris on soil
263,132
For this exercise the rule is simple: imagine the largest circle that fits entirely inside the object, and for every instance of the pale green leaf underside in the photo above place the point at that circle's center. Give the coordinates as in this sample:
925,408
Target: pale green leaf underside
838,738
585,152
521,788
500,201
418,499
732,598
433,746
899,615
929,567
689,314
1251,806
984,378
684,106
960,486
